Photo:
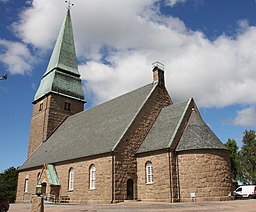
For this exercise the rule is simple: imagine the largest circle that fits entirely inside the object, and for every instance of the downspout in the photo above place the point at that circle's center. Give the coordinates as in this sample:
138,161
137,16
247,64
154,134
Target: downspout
178,176
171,175
113,177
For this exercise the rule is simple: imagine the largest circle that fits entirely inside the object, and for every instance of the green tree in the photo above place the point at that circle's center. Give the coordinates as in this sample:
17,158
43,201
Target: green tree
8,183
248,157
234,158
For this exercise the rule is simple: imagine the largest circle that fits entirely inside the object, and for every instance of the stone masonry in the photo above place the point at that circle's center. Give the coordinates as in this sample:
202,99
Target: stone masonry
160,189
205,173
176,174
125,160
48,114
81,193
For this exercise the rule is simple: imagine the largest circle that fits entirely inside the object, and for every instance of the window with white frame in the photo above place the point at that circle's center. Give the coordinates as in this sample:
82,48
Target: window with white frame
71,179
26,185
149,172
92,177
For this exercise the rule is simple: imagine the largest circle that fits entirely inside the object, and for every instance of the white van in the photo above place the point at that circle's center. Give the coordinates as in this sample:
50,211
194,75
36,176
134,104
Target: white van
245,191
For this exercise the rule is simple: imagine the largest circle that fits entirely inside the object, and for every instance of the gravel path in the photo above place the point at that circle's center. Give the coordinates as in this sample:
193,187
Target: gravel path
236,205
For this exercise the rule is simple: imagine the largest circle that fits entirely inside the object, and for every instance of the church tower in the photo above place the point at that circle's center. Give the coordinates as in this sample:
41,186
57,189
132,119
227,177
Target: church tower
60,93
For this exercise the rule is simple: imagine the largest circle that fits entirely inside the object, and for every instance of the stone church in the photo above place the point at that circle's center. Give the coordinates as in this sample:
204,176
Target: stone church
138,146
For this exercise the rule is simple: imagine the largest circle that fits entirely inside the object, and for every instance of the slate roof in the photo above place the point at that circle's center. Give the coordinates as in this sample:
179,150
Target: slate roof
95,131
163,130
198,135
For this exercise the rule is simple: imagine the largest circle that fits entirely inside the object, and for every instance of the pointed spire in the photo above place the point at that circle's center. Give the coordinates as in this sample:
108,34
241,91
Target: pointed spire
62,74
64,54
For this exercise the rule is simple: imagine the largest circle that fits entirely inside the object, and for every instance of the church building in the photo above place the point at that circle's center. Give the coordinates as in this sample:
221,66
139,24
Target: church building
138,146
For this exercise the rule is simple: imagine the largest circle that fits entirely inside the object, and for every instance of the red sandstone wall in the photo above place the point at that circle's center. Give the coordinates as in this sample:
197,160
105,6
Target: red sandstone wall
46,120
81,193
205,172
159,190
125,160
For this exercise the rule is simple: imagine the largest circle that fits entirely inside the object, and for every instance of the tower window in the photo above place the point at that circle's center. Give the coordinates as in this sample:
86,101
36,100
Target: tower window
41,106
67,106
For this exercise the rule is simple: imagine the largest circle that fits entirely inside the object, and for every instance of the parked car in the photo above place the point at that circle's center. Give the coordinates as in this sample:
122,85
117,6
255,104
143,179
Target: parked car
245,191
4,204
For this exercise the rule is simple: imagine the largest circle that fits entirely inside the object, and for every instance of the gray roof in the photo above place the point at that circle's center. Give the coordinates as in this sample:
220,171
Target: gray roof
198,135
62,74
95,131
164,129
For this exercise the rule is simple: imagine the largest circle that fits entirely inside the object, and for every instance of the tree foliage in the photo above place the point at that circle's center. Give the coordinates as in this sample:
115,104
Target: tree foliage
248,158
234,158
8,183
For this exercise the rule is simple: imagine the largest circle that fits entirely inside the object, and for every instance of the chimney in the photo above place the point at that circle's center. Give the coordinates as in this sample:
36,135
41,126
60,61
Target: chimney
158,73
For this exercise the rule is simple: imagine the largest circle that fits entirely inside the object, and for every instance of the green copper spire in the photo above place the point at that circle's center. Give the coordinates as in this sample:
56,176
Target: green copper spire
62,74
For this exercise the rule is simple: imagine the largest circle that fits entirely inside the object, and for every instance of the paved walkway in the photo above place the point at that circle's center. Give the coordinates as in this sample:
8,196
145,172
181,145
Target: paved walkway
236,205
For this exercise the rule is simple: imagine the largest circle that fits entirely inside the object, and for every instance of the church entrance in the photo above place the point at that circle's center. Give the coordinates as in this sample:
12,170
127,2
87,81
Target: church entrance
130,189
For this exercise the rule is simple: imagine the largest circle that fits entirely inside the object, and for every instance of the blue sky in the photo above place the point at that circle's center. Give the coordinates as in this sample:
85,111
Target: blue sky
207,47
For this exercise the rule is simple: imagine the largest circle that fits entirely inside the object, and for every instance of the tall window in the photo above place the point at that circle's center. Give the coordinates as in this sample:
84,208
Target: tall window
26,185
149,172
71,179
41,106
92,177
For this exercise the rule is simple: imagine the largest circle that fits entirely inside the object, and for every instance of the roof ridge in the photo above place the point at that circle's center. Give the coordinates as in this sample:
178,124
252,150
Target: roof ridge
205,137
179,123
153,88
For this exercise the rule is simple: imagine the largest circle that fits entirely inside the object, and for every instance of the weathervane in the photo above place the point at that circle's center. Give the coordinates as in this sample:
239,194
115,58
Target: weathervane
69,4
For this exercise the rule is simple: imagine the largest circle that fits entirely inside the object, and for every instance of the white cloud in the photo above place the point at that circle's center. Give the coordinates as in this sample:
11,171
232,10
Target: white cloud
173,2
128,71
131,35
16,56
246,117
39,24
4,1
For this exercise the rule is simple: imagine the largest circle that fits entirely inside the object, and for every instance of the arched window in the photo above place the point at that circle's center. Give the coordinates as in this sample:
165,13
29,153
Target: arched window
71,179
149,172
92,177
26,185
